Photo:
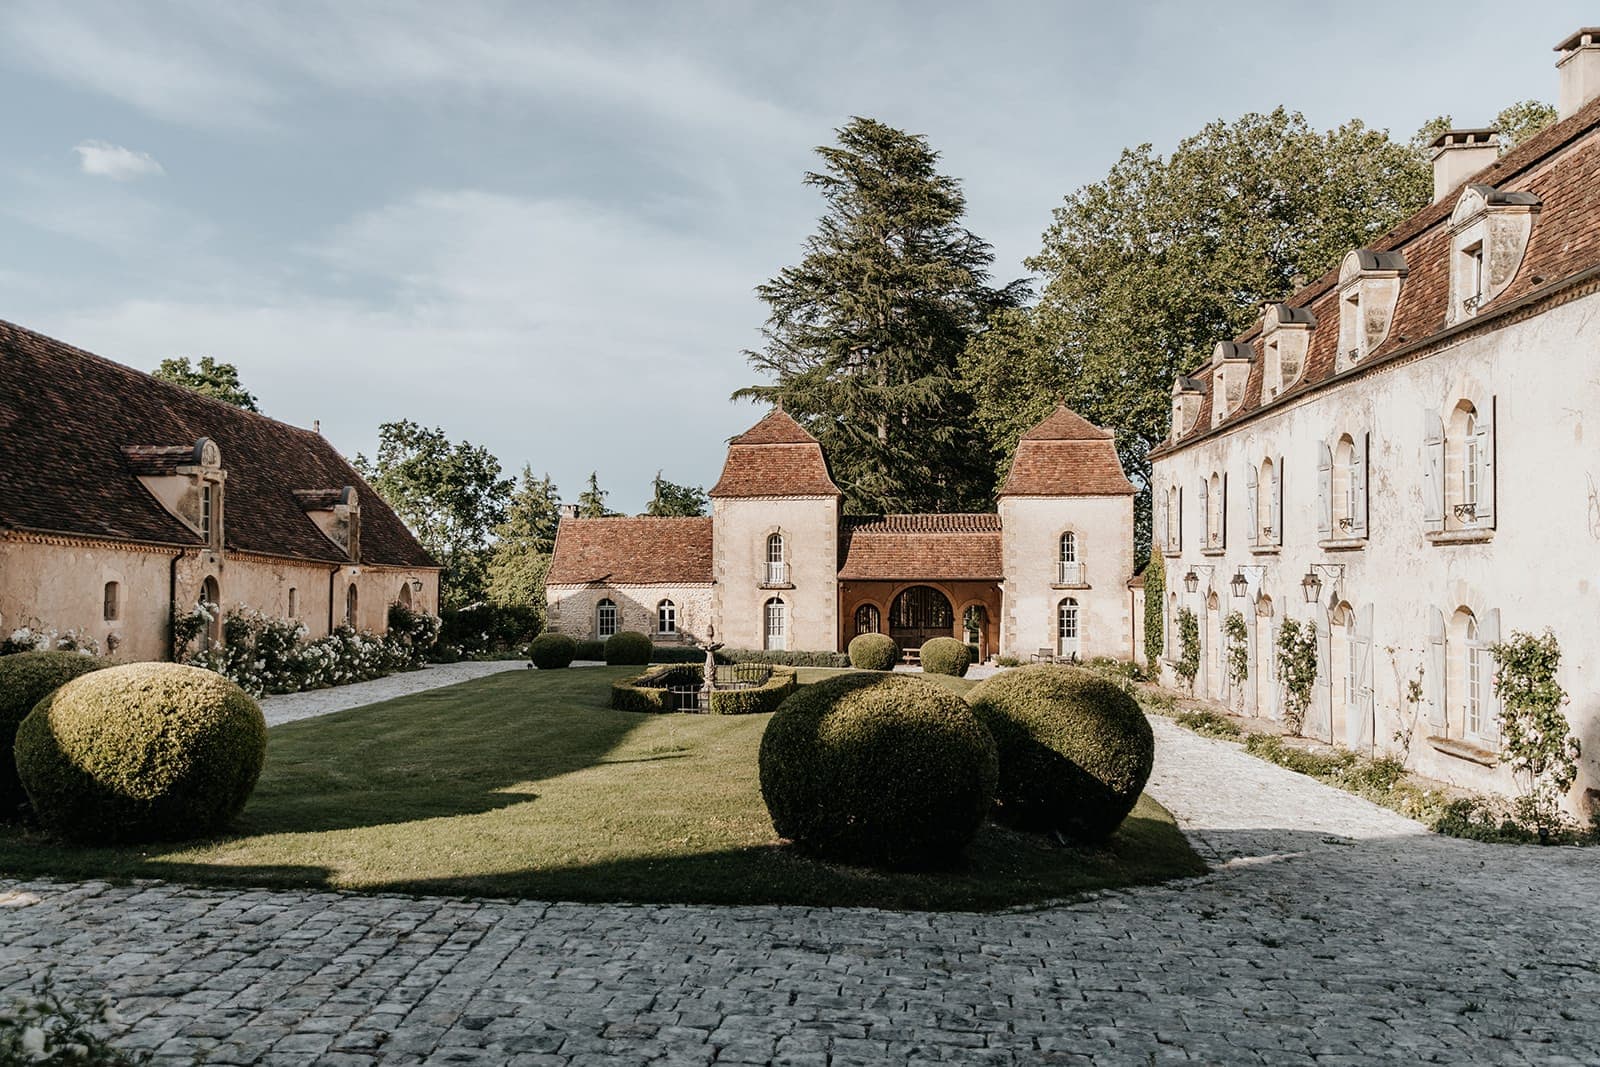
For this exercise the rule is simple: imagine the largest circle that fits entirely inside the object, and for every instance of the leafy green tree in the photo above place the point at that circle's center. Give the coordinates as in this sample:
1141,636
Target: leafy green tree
219,381
592,501
864,336
1155,598
670,498
1146,269
1516,123
451,495
523,543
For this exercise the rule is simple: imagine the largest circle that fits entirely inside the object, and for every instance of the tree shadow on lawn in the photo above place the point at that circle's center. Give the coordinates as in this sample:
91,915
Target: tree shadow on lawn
459,750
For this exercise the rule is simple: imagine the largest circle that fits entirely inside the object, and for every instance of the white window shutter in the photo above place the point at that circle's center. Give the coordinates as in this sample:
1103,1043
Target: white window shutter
1179,544
1205,513
1356,729
1324,645
1485,512
1432,472
1251,505
1433,672
1324,490
1222,520
1158,521
1358,472
1488,637
1277,502
1277,676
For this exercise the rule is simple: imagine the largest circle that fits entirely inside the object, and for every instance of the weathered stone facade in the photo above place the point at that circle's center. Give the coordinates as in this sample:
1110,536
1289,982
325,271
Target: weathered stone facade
777,565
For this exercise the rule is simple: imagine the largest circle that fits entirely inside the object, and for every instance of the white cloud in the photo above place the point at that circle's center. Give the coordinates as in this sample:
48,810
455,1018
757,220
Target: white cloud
113,161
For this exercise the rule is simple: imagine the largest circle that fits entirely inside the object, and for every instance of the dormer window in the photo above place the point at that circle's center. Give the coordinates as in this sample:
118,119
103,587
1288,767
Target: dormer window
1489,232
206,502
337,513
1230,370
1369,289
188,481
1285,337
1186,394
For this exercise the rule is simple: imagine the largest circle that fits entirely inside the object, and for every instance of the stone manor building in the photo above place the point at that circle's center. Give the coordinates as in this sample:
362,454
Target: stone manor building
777,565
124,498
1404,455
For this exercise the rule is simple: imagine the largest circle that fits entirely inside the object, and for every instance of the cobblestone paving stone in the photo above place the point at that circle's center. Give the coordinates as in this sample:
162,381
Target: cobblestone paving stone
1331,932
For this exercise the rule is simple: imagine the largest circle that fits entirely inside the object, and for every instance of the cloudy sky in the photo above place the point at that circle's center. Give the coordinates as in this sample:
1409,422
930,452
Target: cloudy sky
539,226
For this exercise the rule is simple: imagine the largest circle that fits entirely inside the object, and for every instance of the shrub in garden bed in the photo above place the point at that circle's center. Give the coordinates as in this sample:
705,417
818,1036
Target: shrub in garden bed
1075,750
945,655
25,679
142,752
757,700
552,651
487,629
888,770
874,652
628,649
651,691
591,651
785,658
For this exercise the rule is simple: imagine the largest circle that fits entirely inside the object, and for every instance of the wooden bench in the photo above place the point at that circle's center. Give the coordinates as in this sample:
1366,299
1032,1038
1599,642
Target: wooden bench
911,657
1044,655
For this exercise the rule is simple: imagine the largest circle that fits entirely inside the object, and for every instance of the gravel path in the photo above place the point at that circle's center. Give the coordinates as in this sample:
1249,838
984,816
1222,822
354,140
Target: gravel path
1331,932
292,706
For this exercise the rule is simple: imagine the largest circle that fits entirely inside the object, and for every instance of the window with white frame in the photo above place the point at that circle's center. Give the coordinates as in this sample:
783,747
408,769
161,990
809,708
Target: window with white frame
775,630
1069,569
294,603
1067,641
777,569
1264,499
666,617
112,608
1458,469
605,618
1174,519
1216,510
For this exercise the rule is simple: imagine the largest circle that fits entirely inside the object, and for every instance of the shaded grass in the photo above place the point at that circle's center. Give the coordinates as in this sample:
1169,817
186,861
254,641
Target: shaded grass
527,784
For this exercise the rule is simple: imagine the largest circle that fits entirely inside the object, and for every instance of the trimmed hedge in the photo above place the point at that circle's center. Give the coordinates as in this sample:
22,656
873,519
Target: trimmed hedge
552,651
974,654
1075,750
786,659
945,655
25,679
881,769
142,752
591,651
630,648
874,652
681,654
628,695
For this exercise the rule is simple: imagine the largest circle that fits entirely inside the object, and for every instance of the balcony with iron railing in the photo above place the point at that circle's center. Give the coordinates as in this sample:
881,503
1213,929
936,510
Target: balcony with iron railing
1069,572
776,574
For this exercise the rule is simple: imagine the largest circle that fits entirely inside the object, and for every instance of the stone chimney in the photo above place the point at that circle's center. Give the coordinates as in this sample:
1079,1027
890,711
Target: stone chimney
1580,70
1458,155
569,511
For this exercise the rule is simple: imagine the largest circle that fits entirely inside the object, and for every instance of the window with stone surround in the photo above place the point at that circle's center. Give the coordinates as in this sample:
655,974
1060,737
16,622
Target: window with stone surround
112,607
605,618
775,625
666,617
1458,470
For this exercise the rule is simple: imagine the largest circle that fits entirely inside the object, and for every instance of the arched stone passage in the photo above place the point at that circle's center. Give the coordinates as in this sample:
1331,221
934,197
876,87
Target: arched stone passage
919,613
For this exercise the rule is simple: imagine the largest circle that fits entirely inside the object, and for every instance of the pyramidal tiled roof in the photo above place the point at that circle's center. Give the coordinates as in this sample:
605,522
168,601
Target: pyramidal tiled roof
1066,455
775,457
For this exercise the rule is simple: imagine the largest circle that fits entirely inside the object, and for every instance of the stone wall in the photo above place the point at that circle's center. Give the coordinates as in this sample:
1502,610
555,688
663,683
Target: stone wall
810,529
571,610
1033,590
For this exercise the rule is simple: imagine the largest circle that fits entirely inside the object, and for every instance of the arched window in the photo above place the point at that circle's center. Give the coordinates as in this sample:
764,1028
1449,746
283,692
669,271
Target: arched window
1345,482
1174,519
775,628
1069,569
1467,676
404,599
113,601
666,617
1268,505
1459,469
868,621
1067,628
777,572
605,618
1170,632
294,603
211,602
352,607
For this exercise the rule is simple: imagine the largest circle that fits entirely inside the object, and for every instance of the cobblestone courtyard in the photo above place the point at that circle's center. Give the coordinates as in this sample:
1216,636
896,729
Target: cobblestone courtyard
1331,932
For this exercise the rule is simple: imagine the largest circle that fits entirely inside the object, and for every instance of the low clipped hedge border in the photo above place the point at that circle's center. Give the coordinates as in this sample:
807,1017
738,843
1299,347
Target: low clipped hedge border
628,695
591,651
873,652
945,655
786,659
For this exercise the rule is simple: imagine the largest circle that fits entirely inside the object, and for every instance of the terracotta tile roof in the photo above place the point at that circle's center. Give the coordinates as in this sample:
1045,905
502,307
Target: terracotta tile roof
1560,165
640,551
1066,455
75,429
775,457
906,547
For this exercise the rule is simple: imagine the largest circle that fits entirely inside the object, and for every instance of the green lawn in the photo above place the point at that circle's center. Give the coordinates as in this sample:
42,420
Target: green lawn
527,784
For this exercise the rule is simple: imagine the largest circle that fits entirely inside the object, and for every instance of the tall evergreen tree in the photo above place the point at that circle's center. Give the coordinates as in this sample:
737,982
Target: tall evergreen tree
523,543
671,499
592,501
864,335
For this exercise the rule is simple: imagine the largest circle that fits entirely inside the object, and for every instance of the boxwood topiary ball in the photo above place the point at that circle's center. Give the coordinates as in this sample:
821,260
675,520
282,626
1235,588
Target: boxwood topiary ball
552,651
25,679
873,652
628,649
1075,750
946,655
878,769
142,752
